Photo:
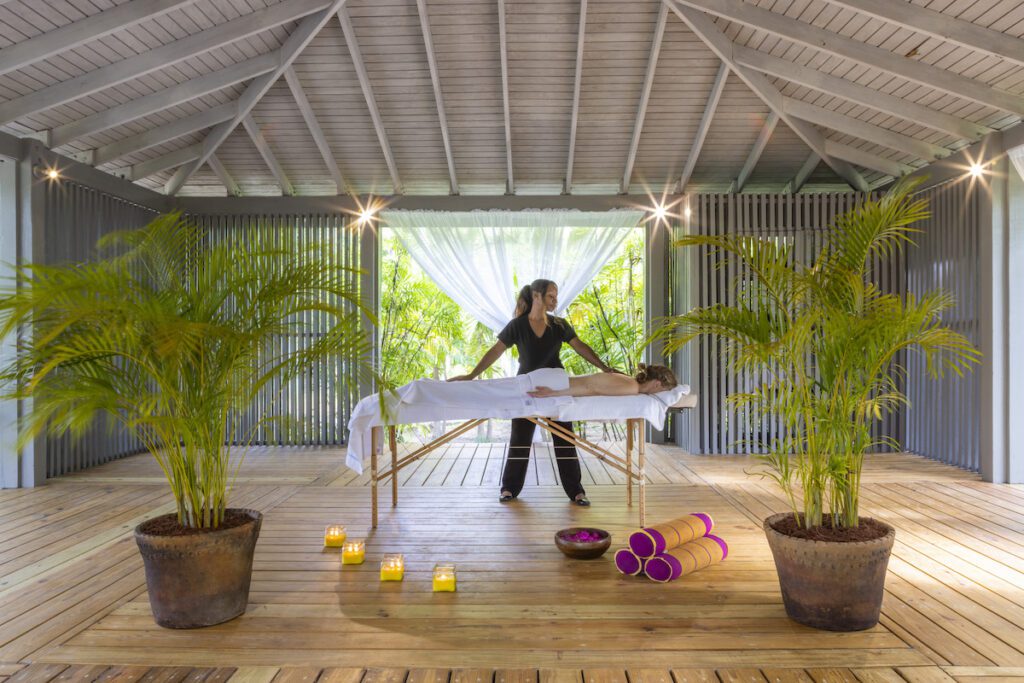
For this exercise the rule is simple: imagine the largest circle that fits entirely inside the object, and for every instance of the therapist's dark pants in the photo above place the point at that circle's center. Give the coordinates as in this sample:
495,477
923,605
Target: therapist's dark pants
518,460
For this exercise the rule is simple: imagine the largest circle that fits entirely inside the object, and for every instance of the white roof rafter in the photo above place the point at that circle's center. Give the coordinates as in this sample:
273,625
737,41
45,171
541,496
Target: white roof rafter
156,59
794,185
371,101
223,176
163,99
309,116
756,151
705,28
161,134
254,92
83,31
263,147
645,96
941,26
859,94
510,183
435,79
848,48
577,85
717,88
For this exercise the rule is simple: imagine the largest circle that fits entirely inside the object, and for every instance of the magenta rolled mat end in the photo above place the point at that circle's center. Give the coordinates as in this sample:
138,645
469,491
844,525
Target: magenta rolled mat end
627,562
646,543
663,568
709,523
722,544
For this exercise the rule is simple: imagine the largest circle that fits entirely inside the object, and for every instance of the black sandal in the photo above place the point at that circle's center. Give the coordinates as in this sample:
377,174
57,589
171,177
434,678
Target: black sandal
581,501
507,498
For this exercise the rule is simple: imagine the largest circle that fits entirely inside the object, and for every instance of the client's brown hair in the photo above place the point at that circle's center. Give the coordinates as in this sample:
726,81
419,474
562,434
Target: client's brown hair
645,373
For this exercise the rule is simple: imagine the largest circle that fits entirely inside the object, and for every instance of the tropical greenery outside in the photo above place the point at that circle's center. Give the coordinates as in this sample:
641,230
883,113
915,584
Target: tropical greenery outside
423,333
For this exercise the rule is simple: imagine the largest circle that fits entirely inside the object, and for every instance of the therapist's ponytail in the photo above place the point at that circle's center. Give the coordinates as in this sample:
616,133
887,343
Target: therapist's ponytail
524,302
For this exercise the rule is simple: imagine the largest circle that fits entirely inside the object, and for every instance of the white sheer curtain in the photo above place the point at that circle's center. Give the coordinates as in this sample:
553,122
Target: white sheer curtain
1017,157
482,258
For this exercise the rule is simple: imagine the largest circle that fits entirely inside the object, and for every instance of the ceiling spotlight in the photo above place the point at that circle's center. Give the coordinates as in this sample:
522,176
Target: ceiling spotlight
687,212
366,215
53,174
976,170
660,212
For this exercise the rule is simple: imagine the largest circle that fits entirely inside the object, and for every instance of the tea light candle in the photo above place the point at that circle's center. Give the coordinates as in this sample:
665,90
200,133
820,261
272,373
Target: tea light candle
392,568
334,536
444,578
353,552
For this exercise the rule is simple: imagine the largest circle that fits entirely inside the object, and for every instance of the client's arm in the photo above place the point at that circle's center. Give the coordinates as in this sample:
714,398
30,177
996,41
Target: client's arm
603,384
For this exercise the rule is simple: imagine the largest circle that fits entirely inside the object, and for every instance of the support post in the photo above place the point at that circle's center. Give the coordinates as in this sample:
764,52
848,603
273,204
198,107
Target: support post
393,447
375,438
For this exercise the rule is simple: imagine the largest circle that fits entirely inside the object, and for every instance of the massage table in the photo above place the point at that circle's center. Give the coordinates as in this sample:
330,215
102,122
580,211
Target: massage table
543,412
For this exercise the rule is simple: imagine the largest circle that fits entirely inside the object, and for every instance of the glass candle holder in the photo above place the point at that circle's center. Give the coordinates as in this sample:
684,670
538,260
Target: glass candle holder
392,568
444,578
353,552
334,536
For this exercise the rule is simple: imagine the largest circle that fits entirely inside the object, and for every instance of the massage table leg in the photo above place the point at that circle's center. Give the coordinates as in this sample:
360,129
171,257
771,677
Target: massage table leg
629,462
375,439
641,447
393,444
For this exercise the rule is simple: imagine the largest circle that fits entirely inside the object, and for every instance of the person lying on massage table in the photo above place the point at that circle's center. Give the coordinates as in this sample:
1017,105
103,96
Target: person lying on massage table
650,379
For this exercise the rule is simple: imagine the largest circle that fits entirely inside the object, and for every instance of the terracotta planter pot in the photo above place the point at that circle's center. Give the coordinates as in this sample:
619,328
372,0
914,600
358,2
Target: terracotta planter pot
201,579
830,585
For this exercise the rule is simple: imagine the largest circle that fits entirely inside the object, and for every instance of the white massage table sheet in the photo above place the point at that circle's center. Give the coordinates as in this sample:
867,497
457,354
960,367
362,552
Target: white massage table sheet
506,398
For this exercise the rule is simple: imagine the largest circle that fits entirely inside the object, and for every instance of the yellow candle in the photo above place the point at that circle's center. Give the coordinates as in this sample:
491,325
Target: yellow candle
334,536
353,552
444,578
392,568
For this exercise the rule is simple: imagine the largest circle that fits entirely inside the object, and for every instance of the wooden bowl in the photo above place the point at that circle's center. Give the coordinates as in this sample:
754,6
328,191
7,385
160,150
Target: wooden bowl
582,550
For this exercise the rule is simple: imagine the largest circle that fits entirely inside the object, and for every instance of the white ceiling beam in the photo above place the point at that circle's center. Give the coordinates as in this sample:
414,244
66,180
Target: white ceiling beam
645,96
158,58
867,160
263,147
307,29
860,52
794,185
161,134
435,79
858,94
84,30
756,151
164,162
705,125
941,26
309,116
371,101
577,84
702,25
510,183
223,176
863,130
163,99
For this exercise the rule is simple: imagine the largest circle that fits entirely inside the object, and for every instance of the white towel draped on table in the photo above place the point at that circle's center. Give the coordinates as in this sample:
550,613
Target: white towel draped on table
429,400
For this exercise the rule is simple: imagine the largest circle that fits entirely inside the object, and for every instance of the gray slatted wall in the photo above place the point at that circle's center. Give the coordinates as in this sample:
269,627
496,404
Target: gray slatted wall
943,420
800,219
320,402
76,217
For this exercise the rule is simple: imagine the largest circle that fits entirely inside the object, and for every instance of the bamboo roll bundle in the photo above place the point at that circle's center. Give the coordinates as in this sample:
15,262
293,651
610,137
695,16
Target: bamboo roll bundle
651,541
686,559
628,563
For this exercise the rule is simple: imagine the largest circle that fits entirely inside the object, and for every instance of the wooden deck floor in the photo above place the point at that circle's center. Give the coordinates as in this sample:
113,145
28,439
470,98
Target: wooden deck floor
73,604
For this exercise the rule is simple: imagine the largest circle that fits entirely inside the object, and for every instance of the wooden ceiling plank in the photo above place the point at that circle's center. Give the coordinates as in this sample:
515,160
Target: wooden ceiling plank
156,59
705,125
702,25
645,96
254,92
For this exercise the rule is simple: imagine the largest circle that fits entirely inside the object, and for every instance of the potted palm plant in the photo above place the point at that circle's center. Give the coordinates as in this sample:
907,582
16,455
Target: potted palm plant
172,339
821,345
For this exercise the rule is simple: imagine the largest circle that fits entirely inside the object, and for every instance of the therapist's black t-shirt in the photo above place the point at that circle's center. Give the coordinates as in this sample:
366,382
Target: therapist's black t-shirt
537,352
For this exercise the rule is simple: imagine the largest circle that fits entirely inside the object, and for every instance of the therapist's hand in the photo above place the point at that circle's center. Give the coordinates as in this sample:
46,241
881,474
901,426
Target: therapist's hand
460,378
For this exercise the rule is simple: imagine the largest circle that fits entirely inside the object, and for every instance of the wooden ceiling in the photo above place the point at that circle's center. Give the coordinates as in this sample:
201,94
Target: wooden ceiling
437,97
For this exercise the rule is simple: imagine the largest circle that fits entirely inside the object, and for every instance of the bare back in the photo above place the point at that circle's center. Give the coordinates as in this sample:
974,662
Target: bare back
603,384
